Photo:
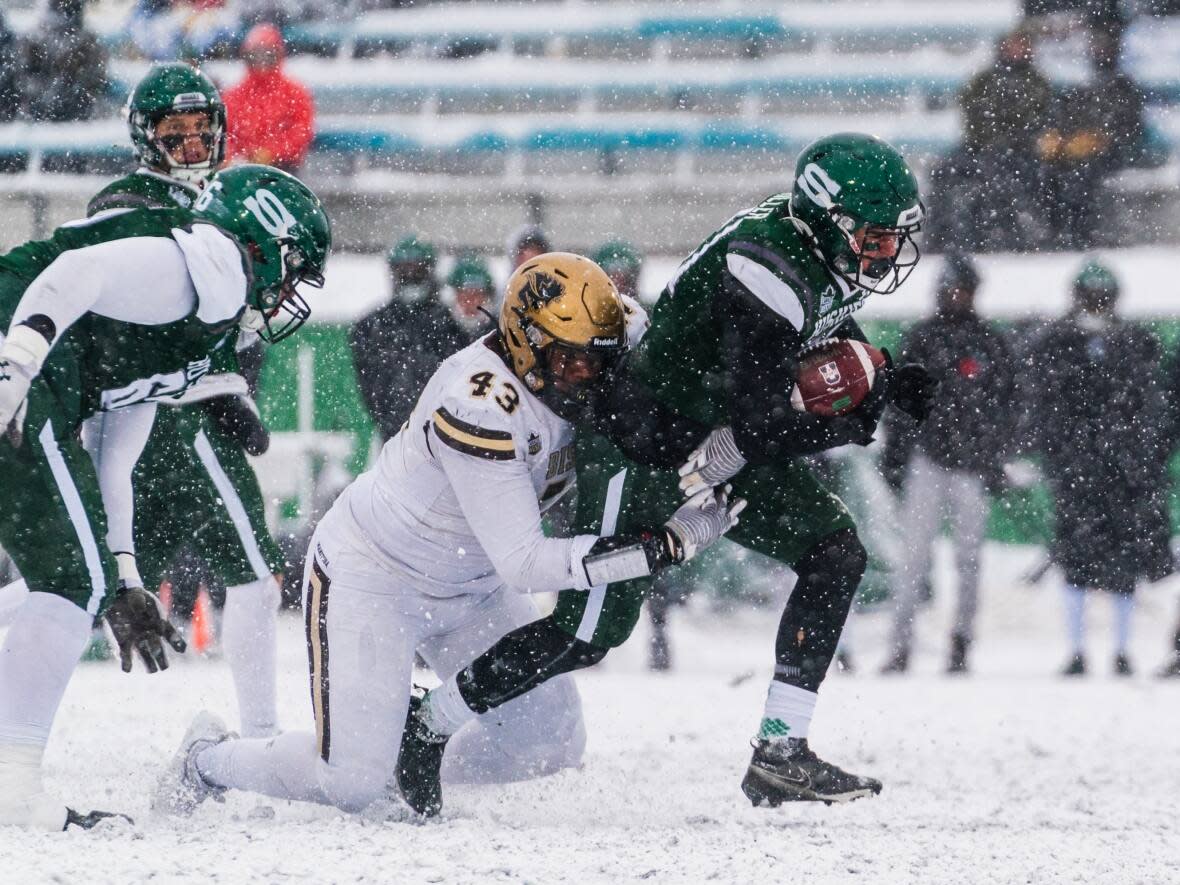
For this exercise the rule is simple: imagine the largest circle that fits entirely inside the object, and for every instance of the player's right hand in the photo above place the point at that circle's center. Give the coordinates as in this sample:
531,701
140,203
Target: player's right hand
138,623
713,462
702,520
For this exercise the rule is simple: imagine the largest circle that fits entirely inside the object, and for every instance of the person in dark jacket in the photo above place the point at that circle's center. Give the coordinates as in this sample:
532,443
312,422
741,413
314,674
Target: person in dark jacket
397,347
1099,416
985,185
950,461
1097,129
65,65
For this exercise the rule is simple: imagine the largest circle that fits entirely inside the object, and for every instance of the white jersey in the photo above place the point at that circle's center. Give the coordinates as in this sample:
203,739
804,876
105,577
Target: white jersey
454,501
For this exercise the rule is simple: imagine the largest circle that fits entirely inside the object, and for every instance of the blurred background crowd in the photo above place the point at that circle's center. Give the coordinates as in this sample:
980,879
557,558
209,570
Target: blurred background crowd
622,130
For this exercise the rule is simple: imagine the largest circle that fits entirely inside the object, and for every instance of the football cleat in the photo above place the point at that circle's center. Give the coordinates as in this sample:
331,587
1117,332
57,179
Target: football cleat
786,770
181,788
1122,666
1170,670
91,819
898,663
1075,667
419,765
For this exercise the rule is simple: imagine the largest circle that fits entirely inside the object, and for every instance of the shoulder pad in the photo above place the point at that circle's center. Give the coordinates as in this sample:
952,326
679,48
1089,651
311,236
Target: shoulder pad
477,412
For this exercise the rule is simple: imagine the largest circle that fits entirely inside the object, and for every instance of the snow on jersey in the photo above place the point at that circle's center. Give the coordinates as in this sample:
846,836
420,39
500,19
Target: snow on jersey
479,458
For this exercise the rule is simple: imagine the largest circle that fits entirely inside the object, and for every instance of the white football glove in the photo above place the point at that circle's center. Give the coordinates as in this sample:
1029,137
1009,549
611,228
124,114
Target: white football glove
21,356
713,462
702,520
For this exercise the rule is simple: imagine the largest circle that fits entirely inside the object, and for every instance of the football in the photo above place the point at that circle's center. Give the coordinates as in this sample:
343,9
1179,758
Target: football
835,376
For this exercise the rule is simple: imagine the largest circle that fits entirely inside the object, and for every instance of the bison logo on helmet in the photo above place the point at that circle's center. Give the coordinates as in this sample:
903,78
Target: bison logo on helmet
539,289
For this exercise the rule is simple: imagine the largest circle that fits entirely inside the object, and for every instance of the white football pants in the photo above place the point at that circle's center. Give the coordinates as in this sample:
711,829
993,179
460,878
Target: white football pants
364,625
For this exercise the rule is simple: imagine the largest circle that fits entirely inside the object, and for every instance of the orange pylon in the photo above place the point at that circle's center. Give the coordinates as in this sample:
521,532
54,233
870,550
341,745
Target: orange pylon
201,626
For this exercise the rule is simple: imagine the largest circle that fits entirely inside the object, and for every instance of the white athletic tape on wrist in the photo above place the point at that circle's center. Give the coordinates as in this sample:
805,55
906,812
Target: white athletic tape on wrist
616,565
26,348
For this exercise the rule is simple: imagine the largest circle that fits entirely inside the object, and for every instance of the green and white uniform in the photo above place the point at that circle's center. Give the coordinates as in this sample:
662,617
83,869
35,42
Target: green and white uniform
109,354
193,483
684,359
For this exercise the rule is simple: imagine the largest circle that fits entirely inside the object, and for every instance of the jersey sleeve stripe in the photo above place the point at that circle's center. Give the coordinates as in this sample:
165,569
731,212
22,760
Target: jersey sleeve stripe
495,445
767,288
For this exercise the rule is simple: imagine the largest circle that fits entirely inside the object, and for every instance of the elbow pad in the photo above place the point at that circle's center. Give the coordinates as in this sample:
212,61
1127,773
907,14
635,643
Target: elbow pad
623,557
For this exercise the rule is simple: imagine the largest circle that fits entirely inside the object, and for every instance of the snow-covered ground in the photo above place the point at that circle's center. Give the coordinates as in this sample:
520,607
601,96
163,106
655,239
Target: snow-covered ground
1011,775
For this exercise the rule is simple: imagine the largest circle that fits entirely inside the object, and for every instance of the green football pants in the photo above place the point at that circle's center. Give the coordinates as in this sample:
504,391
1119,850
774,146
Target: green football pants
52,521
193,485
788,513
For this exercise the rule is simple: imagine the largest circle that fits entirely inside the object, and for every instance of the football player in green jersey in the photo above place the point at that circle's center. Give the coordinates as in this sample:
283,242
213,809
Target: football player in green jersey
102,321
194,485
722,349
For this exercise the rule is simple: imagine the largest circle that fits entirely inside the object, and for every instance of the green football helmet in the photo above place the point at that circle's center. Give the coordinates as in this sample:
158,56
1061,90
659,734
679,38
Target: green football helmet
285,233
857,201
171,89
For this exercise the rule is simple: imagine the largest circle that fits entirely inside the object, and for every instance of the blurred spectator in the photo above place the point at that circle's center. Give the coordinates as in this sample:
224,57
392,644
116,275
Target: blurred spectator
164,30
951,460
271,116
623,264
397,347
1097,129
1098,415
10,64
525,244
472,293
983,191
65,65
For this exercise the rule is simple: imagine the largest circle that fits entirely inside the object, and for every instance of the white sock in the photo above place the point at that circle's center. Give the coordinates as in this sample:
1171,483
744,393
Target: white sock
445,711
788,711
42,647
12,597
1075,621
283,767
248,638
1124,607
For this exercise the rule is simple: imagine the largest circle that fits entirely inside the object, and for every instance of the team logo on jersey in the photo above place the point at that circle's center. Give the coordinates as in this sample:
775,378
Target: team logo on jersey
830,372
534,443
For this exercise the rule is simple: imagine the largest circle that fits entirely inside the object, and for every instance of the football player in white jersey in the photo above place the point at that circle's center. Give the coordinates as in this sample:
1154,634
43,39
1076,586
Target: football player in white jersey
433,550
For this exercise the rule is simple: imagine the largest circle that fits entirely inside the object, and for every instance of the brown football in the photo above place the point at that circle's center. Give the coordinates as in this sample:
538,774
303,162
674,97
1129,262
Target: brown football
835,376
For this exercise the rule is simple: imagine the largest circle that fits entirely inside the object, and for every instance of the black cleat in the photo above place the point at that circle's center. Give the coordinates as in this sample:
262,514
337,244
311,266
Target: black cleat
957,664
419,765
1122,666
899,663
1075,667
788,771
844,663
91,819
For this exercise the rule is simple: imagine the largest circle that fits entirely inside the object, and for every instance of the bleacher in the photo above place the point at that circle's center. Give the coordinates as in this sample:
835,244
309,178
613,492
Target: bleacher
519,103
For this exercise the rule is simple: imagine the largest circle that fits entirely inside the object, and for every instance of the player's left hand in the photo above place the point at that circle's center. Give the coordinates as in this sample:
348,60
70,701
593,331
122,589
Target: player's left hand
713,462
14,390
913,390
138,623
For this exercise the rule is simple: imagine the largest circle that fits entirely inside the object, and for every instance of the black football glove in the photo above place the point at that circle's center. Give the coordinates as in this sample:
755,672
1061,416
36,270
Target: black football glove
136,621
913,390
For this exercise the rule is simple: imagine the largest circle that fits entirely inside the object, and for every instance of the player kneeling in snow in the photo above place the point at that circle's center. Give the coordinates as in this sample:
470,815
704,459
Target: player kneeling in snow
426,552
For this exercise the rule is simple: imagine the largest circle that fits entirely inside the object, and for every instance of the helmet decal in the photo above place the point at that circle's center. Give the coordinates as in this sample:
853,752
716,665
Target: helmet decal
270,212
818,185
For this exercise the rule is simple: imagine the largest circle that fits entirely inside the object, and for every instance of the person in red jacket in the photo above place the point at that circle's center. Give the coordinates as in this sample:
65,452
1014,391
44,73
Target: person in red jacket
271,115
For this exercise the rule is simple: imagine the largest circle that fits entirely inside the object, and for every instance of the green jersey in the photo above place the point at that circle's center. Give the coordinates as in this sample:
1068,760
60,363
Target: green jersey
147,189
103,363
144,189
681,356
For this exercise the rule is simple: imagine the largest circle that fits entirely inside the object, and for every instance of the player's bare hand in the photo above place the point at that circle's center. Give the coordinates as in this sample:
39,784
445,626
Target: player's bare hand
139,625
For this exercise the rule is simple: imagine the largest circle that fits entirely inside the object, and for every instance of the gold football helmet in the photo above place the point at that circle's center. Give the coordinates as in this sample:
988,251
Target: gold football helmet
563,327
